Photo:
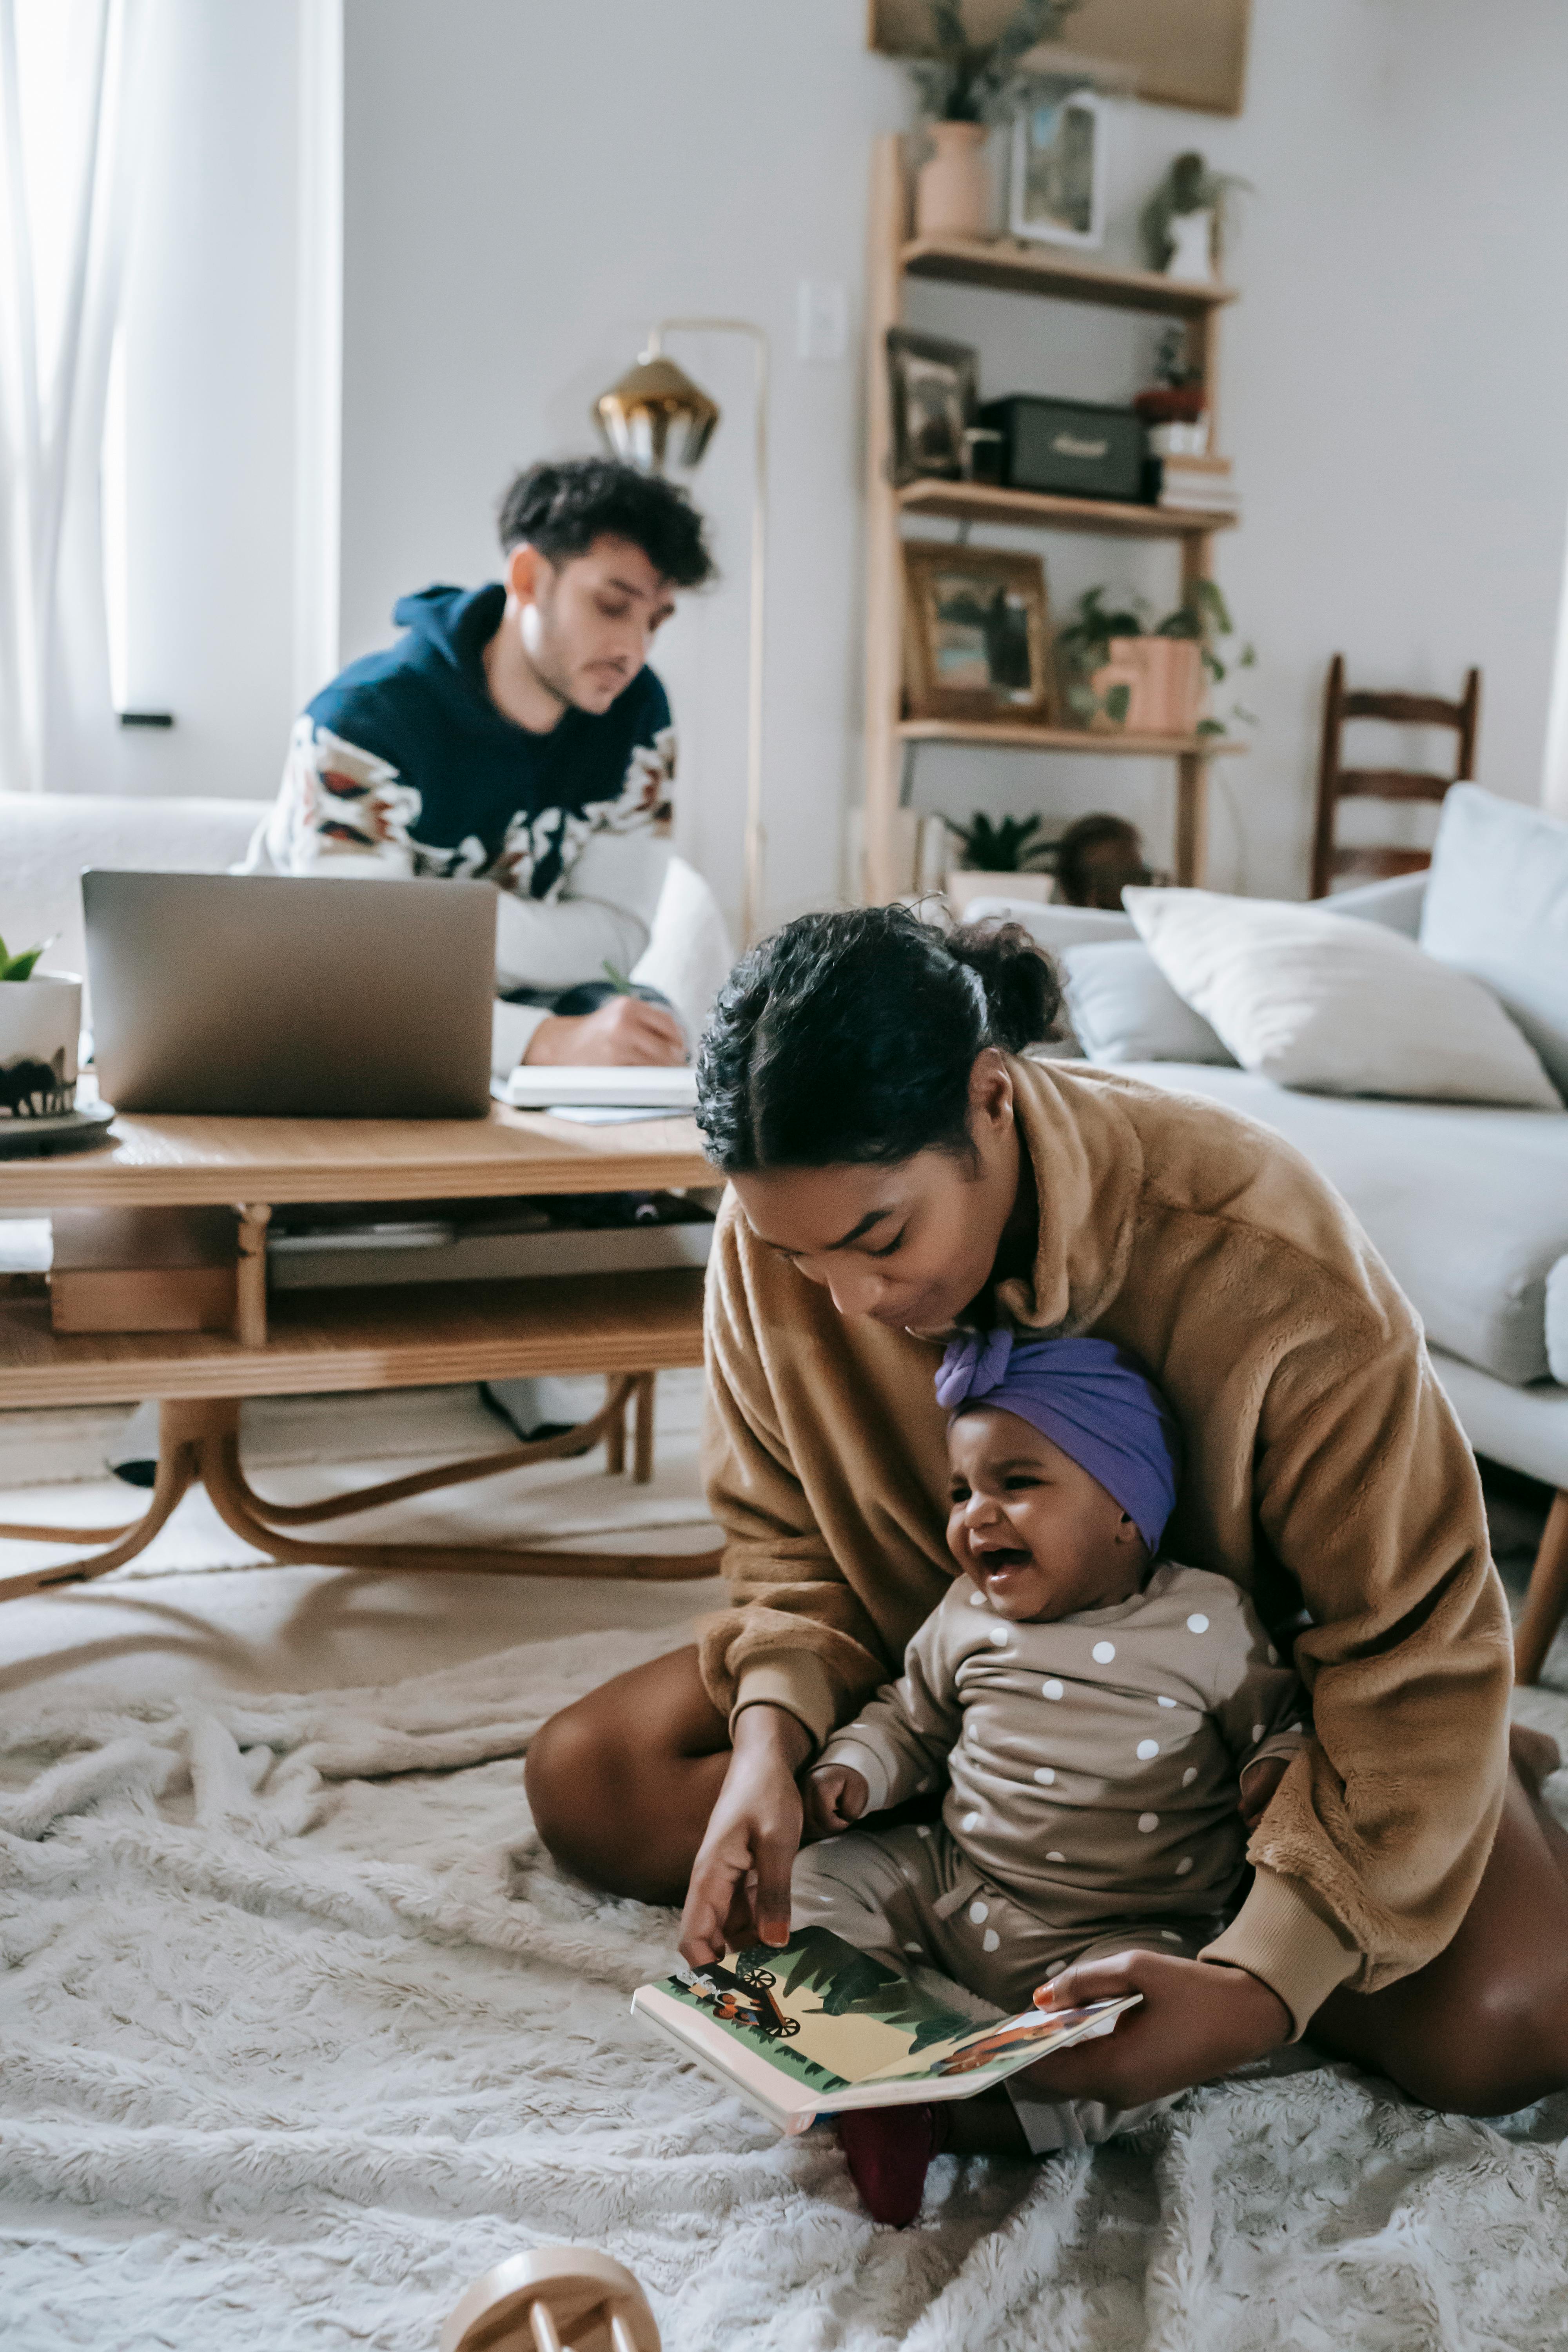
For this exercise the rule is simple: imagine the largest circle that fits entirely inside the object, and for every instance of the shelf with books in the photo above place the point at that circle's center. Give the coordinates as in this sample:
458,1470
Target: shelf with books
1113,518
1009,735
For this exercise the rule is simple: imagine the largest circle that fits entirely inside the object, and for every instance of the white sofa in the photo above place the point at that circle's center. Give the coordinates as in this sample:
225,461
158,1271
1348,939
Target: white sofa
46,840
1468,1203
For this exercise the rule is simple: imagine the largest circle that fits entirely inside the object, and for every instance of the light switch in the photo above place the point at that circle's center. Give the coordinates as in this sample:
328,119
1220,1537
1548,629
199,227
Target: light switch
822,318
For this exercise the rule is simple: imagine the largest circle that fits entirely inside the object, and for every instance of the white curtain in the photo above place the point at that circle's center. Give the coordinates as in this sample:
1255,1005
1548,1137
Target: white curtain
67,134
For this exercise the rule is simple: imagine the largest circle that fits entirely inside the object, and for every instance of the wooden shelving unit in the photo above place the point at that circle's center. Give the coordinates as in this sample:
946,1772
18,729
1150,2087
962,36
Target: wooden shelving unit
896,257
1108,518
1032,269
1006,735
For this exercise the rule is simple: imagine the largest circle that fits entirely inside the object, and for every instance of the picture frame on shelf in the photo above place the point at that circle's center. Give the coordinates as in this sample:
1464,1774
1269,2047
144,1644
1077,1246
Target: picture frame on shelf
977,638
1059,169
934,386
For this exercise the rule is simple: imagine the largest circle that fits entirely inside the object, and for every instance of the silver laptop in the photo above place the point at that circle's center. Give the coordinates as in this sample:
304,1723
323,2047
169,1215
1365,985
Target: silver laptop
256,996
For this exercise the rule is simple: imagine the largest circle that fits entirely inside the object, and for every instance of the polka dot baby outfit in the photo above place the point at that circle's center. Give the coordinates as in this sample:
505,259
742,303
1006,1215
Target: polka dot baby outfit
1093,1764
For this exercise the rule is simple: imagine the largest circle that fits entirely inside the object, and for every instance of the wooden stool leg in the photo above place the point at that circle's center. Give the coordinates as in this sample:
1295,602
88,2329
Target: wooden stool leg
616,1441
642,1439
1548,1596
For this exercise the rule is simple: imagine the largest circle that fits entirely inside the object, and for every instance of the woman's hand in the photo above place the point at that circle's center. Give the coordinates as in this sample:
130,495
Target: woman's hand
835,1798
739,1881
1198,2020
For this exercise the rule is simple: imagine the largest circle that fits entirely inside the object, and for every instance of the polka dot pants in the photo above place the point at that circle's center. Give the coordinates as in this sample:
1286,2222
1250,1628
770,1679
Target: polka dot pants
910,1897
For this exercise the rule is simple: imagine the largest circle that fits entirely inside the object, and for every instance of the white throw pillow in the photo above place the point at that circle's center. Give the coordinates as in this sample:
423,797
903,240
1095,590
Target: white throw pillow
1123,1008
1313,999
1497,906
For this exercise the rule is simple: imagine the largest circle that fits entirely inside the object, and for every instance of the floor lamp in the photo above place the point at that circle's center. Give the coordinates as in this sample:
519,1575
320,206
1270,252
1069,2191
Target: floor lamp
654,416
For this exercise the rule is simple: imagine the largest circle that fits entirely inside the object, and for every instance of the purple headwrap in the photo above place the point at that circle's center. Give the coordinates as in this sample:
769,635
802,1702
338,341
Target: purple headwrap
1087,1396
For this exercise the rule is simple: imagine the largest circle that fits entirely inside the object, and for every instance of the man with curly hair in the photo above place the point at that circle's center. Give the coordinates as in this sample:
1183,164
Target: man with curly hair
515,733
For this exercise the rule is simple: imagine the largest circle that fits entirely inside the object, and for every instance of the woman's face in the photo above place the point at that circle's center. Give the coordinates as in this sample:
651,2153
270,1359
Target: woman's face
909,1244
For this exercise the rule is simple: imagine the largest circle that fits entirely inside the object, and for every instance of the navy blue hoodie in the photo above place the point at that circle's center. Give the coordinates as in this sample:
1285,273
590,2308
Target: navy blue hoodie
474,793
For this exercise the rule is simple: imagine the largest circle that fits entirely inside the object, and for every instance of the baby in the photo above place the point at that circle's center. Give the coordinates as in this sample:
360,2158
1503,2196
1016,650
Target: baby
1109,1722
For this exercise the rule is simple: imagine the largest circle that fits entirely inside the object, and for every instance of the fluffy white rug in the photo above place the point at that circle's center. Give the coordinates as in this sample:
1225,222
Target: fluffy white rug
301,2031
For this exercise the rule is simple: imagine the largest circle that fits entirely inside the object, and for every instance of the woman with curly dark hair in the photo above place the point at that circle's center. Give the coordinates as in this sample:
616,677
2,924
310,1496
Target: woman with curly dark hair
901,1169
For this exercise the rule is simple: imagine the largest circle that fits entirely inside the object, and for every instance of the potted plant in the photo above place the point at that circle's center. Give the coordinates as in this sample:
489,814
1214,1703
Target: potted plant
1120,672
1000,858
1184,219
40,1022
963,88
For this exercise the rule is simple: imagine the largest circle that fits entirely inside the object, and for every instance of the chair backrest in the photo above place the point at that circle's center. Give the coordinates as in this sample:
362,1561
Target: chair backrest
1336,782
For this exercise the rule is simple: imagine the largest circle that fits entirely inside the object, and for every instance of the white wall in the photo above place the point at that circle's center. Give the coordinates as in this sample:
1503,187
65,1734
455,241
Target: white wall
210,357
1393,394
527,187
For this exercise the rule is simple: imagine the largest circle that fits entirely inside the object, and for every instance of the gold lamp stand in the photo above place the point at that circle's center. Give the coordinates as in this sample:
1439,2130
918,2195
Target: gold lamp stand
641,417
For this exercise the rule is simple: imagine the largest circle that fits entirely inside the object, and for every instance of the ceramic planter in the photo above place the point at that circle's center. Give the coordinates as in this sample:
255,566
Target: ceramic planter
952,187
40,1022
1164,679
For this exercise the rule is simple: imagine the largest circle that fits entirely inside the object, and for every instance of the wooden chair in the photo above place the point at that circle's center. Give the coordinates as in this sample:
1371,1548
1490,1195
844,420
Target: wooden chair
1336,782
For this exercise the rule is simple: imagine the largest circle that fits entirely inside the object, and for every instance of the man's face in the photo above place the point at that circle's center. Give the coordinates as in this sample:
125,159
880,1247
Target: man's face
587,622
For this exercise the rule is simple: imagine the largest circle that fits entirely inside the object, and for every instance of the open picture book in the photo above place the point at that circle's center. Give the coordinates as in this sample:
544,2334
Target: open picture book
813,2027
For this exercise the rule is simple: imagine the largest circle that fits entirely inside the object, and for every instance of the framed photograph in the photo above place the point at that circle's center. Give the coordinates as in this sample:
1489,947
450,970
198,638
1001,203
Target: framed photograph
978,641
934,386
1059,169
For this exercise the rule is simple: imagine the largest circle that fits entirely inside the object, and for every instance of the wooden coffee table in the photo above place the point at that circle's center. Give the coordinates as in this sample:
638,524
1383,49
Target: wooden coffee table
626,1326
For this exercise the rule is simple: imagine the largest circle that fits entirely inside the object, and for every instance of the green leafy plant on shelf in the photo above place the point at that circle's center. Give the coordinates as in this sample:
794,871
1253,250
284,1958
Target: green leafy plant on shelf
977,81
1002,844
20,967
1084,647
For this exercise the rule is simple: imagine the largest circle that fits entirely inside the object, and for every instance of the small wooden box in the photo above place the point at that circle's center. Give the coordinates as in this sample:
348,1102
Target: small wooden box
144,1270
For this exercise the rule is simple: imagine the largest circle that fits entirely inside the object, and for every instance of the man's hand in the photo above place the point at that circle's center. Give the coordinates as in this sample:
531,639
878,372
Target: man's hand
624,1030
835,1798
739,1882
1198,2020
1258,1783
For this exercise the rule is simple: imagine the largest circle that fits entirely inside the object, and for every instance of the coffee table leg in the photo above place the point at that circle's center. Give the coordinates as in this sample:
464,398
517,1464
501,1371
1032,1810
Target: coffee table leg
251,1278
183,1431
642,1431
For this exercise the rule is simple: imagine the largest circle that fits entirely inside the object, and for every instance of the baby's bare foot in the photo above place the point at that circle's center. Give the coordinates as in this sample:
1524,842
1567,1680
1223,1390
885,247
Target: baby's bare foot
1535,1755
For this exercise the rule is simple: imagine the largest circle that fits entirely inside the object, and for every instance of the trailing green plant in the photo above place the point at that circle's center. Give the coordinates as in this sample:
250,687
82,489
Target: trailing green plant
1002,844
20,967
1084,646
976,81
1204,615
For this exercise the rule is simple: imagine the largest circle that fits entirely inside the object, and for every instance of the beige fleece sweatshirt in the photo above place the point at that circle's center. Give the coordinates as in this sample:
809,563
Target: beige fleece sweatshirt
1323,1467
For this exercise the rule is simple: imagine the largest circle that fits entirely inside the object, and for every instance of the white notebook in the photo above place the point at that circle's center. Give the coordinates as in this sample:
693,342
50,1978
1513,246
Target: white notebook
585,1086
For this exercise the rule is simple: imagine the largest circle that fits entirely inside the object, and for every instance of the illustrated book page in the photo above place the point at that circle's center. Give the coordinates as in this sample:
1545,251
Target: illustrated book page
813,2027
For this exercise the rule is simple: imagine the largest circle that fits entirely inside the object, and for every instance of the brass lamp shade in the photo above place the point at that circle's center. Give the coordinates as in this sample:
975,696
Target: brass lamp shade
654,403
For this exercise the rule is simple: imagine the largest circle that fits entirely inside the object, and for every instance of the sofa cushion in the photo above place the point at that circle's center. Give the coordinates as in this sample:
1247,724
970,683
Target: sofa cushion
1497,906
1469,1207
1314,999
46,838
1557,1320
1124,1009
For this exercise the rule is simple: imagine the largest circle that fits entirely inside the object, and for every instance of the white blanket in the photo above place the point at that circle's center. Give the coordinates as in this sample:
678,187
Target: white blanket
300,2031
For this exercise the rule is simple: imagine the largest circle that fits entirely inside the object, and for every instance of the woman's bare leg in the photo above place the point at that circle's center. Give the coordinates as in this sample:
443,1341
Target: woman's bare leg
1482,2029
622,1782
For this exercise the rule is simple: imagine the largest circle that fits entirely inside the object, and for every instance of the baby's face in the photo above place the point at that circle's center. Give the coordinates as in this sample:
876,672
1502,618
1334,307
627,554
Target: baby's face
1030,1527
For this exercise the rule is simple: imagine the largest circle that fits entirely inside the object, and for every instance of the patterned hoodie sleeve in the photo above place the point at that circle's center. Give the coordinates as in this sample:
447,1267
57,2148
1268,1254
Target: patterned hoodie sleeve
340,809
